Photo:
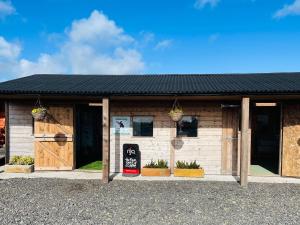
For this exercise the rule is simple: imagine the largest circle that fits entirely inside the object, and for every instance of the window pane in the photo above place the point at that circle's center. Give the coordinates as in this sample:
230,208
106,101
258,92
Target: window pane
143,126
187,126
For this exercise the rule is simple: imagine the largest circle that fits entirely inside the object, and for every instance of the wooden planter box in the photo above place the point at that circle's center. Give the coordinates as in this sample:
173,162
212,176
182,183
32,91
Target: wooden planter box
18,168
189,172
155,172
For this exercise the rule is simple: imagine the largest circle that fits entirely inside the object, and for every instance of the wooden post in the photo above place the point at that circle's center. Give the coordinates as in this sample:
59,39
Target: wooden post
172,147
106,140
7,132
244,167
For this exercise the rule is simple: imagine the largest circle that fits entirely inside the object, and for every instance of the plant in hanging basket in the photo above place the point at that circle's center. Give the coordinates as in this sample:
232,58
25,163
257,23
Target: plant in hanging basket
39,113
176,114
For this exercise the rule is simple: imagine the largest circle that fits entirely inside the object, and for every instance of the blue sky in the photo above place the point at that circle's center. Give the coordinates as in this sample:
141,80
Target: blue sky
134,36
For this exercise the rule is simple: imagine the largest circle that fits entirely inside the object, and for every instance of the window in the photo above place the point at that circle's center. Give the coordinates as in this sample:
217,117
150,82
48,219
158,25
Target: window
143,126
187,126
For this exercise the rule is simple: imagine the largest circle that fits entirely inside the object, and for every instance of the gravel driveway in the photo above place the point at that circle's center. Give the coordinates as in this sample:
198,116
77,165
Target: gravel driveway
58,201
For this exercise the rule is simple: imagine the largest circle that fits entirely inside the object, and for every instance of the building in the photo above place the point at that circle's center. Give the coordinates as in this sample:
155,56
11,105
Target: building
239,124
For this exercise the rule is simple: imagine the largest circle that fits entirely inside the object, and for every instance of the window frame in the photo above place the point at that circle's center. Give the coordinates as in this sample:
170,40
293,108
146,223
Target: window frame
186,136
140,136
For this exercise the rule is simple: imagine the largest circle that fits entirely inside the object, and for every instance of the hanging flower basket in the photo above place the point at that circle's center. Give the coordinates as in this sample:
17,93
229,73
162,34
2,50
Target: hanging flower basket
176,112
39,113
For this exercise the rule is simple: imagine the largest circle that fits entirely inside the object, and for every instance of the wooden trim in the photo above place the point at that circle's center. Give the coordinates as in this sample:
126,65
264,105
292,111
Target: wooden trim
238,172
230,128
7,153
106,140
224,144
266,104
54,139
173,138
245,142
250,138
95,104
280,140
75,136
53,136
64,168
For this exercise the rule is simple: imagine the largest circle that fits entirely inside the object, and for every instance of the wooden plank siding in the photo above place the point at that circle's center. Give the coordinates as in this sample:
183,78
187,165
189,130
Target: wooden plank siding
21,138
291,140
229,163
54,148
205,149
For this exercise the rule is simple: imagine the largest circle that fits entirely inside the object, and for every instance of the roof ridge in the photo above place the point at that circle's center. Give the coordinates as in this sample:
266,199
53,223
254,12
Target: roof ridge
171,74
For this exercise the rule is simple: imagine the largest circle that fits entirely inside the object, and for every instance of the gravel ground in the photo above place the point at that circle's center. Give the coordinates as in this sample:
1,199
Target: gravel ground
58,201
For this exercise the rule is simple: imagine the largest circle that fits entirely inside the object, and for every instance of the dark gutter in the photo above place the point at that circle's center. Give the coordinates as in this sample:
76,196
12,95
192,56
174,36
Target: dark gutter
35,94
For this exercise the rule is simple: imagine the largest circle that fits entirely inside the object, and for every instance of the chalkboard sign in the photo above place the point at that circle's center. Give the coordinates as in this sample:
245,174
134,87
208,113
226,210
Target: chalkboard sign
131,160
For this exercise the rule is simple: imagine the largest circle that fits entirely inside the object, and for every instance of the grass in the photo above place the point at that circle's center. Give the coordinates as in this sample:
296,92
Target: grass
96,165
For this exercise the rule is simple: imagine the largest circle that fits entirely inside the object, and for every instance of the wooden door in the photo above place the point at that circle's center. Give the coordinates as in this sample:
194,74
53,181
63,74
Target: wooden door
230,130
291,140
54,140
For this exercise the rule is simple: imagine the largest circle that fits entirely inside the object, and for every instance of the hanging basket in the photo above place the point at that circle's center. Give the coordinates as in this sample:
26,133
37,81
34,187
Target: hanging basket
39,113
176,116
176,112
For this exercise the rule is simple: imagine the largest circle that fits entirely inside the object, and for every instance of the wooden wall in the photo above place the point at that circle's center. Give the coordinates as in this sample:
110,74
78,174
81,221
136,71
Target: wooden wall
21,136
230,141
291,140
54,148
205,149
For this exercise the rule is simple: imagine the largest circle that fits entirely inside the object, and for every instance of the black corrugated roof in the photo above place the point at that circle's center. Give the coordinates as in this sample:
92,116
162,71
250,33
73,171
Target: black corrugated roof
169,84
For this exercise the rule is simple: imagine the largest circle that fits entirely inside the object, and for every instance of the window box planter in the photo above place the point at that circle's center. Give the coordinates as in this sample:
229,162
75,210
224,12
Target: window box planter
18,168
156,172
189,172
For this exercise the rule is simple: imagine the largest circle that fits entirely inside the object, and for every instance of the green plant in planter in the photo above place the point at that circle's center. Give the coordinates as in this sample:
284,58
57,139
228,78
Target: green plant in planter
159,164
186,165
21,160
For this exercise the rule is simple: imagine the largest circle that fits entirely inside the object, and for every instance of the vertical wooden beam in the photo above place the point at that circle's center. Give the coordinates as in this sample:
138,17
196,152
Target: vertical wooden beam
173,144
244,165
280,140
105,140
75,140
7,155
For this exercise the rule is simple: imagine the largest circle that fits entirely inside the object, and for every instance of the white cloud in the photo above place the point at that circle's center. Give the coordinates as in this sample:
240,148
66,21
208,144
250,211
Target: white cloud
162,45
97,28
199,4
9,51
93,45
291,9
6,8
